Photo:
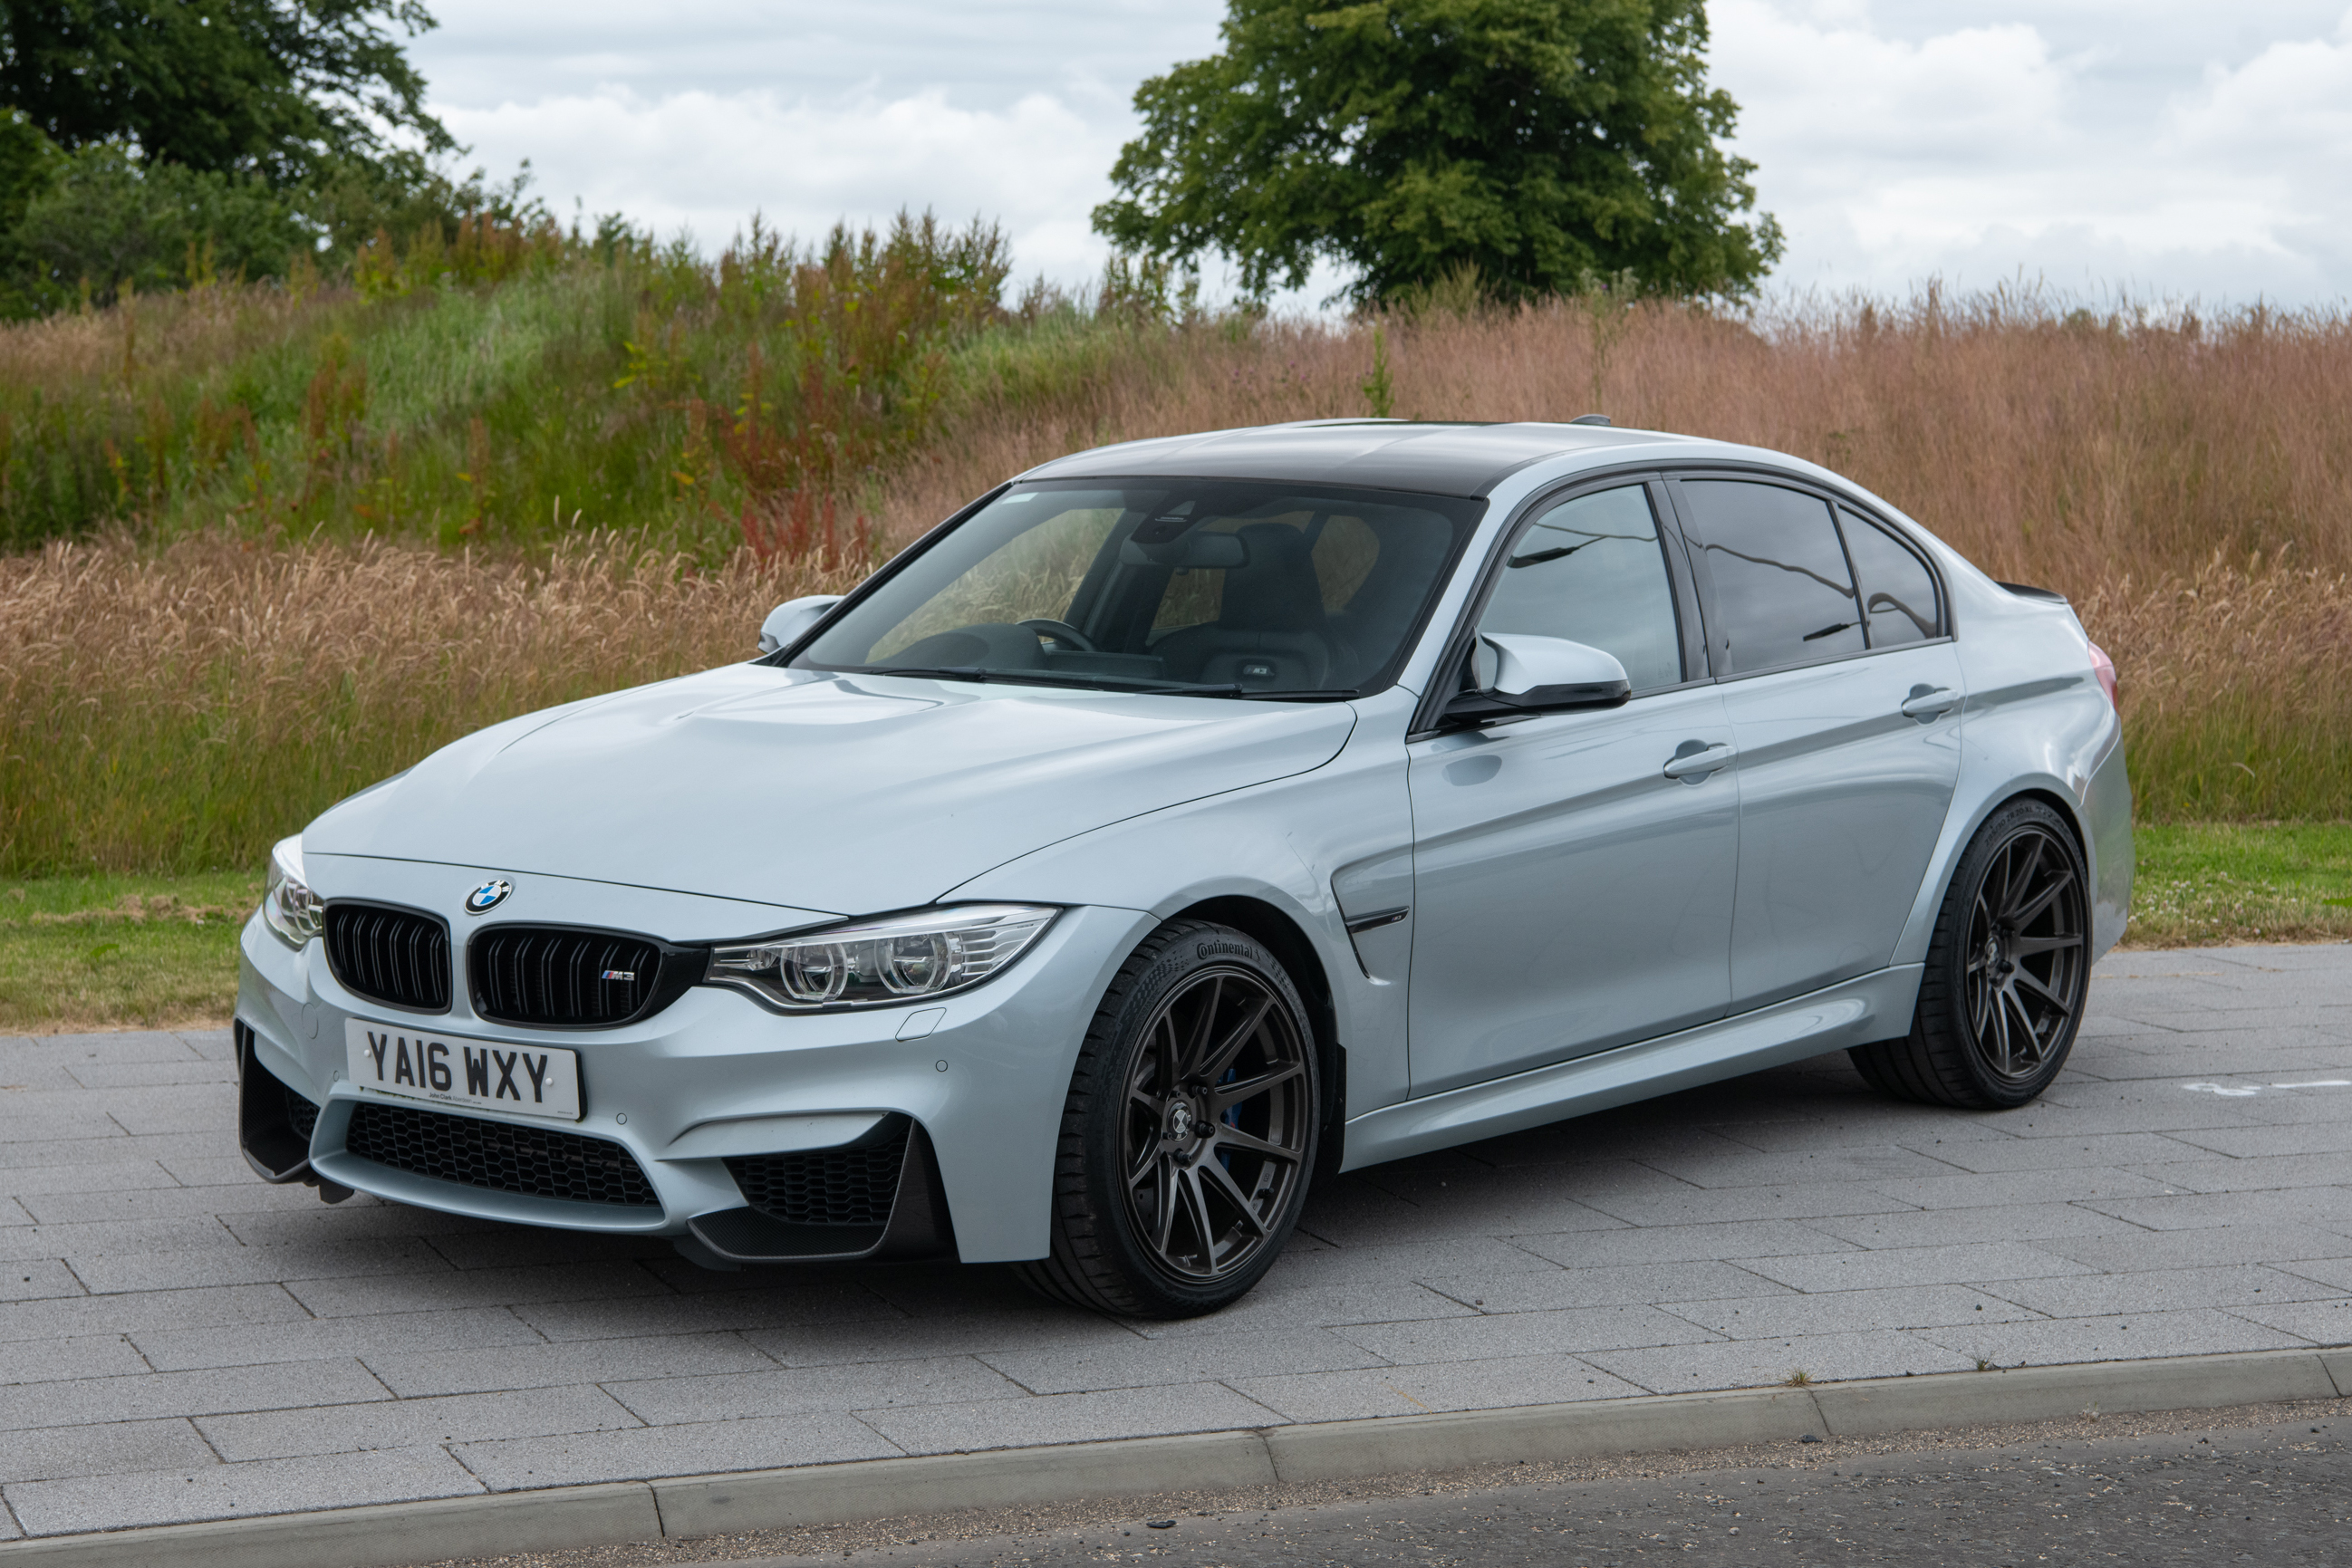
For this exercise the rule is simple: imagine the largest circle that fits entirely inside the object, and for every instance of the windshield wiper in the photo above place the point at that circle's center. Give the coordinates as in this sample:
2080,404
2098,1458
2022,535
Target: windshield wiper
1047,678
1109,682
1298,695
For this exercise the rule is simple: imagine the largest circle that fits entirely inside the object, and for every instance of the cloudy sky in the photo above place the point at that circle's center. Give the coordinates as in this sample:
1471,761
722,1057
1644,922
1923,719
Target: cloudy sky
2171,148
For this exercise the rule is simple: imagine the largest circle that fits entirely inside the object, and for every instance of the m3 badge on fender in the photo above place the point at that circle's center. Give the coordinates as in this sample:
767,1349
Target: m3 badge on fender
489,896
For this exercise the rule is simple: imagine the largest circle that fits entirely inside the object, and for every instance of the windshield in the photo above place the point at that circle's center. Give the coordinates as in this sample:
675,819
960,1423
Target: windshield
1214,587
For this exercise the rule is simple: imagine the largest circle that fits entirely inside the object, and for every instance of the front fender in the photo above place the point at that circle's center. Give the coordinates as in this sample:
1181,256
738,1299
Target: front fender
1282,843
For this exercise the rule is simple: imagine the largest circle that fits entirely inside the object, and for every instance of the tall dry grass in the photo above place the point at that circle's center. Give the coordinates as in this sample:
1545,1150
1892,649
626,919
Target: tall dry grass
2188,483
2052,447
2237,691
178,710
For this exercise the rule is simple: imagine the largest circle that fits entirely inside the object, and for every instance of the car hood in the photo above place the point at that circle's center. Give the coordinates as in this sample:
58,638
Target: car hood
847,794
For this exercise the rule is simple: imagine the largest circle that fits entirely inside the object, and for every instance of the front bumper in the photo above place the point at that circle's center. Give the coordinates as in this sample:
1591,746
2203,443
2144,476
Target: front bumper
716,1075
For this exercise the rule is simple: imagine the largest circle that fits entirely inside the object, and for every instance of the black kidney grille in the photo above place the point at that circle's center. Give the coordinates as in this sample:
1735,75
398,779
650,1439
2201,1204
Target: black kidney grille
537,1162
824,1187
395,956
546,974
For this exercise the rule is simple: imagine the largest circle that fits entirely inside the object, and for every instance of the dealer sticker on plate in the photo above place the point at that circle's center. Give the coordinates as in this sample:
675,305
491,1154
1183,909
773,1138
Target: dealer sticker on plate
489,1074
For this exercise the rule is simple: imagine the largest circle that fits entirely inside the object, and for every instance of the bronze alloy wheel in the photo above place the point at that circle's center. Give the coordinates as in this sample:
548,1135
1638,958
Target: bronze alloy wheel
1189,1131
2008,971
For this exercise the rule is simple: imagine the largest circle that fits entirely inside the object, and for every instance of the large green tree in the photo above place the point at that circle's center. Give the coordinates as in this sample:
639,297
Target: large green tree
288,90
1540,141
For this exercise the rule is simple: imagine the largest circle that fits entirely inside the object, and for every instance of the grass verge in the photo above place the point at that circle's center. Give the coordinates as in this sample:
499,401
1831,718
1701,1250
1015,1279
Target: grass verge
121,952
2204,882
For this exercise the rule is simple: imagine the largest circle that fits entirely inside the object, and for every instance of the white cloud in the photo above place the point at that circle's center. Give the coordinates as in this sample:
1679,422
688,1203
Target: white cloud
1984,151
2171,146
703,161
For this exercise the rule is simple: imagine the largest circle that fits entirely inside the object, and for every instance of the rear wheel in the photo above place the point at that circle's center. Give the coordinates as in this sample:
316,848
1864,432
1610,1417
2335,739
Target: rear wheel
1188,1133
2007,973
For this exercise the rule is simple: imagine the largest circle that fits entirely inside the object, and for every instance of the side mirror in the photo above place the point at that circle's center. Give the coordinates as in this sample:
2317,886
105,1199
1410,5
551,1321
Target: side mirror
787,620
1542,674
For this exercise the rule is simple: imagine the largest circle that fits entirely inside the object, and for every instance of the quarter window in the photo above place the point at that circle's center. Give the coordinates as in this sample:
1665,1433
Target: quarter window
1898,591
1592,570
1783,594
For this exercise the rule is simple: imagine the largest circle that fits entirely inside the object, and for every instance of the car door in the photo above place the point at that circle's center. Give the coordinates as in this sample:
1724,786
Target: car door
1571,896
1827,633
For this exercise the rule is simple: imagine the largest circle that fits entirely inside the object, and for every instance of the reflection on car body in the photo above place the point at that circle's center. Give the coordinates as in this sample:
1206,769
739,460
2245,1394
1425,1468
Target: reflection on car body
1187,821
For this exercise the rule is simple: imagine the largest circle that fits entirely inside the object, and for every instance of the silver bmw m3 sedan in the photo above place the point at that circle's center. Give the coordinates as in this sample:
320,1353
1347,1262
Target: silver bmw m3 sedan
1189,821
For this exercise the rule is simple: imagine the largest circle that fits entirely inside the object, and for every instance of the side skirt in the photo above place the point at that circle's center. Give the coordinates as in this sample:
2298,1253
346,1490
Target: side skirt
1852,1013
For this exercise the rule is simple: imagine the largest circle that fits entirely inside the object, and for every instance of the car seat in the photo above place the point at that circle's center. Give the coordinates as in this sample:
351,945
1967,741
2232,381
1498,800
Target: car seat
1270,629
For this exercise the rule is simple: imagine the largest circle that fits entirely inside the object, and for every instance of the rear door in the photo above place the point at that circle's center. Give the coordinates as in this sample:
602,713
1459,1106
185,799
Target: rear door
1828,636
1569,895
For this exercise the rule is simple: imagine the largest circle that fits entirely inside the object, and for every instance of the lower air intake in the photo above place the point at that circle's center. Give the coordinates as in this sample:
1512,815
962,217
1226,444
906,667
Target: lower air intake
300,1115
854,1185
536,1162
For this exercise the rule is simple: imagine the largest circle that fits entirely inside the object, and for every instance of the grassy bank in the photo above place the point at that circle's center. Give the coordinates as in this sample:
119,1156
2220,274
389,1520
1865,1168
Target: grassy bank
179,711
118,952
518,390
297,539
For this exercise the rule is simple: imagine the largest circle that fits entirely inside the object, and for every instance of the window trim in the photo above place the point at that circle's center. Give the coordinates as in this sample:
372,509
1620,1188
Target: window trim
1688,613
1833,499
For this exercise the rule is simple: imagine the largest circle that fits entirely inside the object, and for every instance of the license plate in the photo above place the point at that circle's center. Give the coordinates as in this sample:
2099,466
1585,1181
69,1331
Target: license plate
450,1069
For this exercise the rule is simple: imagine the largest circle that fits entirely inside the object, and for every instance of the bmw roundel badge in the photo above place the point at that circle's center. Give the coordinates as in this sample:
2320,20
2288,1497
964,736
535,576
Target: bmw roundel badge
489,896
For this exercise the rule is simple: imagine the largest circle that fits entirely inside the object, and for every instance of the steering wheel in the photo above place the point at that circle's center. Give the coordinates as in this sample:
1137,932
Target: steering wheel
1061,631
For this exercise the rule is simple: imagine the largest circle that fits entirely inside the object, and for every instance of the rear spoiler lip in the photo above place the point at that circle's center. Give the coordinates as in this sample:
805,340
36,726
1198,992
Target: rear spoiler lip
2027,590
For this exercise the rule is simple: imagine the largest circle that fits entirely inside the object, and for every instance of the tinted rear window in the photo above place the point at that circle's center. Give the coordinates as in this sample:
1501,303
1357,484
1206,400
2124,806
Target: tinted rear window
1783,594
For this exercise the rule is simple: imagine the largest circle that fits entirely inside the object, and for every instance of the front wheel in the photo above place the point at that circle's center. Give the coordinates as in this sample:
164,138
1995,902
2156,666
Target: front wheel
1188,1133
2008,971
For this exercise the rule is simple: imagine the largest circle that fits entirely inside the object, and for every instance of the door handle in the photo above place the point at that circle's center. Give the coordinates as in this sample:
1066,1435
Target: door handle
1692,767
1927,703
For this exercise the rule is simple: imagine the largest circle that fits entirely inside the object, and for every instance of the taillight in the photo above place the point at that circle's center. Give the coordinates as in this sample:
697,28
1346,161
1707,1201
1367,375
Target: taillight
2105,668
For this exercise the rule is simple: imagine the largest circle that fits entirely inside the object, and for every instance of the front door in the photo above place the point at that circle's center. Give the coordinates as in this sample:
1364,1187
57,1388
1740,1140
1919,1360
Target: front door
1569,895
1844,699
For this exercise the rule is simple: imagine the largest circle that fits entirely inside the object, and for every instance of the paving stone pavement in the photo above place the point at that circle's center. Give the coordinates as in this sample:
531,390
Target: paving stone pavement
180,1341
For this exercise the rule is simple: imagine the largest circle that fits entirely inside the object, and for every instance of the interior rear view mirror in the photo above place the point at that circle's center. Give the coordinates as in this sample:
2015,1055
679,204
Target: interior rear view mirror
1541,674
1192,552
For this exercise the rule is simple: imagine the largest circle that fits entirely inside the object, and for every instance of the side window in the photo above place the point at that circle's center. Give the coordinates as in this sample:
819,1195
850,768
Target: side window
1592,570
1898,591
1782,592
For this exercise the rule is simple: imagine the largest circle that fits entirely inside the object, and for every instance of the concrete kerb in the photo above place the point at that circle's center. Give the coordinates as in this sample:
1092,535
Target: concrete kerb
386,1534
881,1489
374,1536
2047,1393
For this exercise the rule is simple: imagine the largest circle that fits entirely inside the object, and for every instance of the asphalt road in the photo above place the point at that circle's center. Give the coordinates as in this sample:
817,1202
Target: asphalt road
2268,1495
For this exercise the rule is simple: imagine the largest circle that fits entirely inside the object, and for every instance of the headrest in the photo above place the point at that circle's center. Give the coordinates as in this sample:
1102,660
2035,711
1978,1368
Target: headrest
1278,590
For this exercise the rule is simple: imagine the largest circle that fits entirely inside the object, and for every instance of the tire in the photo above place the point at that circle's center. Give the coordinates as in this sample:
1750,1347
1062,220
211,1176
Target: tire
2008,971
1173,1194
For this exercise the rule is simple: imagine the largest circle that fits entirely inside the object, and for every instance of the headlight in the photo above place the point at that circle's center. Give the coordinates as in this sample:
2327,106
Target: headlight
898,958
287,903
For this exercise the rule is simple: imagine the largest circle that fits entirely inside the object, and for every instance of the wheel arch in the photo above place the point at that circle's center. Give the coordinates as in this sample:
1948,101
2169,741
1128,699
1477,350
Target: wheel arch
1281,936
1960,831
2051,798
